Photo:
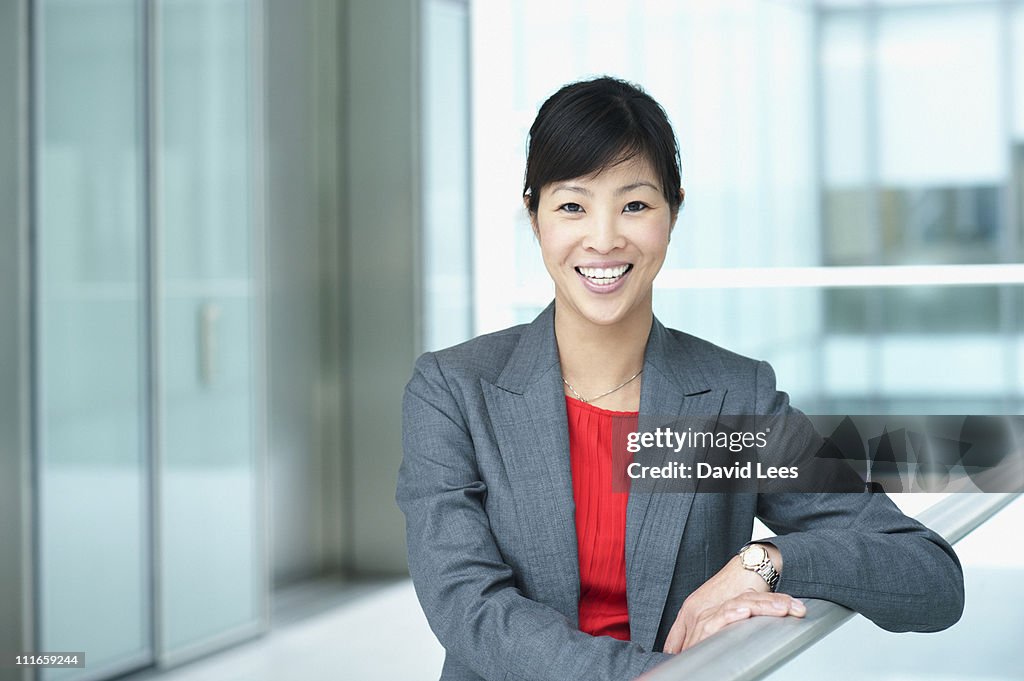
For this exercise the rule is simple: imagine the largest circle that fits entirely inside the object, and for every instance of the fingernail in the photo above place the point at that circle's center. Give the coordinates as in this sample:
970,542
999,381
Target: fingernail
798,602
779,605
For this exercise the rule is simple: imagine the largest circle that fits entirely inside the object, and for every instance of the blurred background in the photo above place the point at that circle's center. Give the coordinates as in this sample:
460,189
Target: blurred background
228,227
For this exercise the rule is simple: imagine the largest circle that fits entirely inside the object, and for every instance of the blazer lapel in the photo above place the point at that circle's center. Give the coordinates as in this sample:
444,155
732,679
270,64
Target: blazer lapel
673,388
527,411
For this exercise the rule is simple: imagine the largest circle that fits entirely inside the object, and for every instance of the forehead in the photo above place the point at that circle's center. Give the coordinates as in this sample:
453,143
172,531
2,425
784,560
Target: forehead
633,171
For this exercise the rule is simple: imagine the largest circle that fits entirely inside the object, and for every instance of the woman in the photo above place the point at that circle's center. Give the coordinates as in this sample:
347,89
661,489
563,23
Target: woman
526,562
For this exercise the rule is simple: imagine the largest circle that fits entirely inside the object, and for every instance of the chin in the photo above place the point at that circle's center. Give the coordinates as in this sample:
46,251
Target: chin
602,314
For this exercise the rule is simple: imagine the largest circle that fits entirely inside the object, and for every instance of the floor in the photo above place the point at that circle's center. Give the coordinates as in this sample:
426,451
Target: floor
324,631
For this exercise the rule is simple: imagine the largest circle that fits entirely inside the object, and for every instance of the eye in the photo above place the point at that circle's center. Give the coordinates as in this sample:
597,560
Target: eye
571,208
635,207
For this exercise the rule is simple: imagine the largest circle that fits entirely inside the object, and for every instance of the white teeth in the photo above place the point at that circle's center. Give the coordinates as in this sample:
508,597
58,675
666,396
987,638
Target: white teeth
604,273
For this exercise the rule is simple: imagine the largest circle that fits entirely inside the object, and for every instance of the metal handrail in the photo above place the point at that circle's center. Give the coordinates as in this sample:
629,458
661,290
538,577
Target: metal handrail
769,642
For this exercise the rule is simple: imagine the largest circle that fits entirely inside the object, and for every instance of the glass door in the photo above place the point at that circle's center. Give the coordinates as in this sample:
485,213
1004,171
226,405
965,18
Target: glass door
91,417
147,342
212,583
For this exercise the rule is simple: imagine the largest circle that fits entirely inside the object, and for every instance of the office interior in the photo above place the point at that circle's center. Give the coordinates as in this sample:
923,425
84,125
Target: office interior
229,227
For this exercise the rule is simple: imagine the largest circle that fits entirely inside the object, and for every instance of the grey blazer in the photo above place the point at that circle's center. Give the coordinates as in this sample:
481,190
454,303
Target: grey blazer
486,490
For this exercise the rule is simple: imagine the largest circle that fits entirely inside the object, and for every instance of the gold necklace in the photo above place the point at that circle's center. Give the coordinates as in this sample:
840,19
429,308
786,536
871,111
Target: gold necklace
581,398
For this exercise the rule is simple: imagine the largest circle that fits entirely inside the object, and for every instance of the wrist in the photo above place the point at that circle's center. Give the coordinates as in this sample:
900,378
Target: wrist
749,579
774,554
764,561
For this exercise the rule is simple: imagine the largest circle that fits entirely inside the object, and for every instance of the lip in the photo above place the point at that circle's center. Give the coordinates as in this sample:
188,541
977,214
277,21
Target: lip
604,288
602,263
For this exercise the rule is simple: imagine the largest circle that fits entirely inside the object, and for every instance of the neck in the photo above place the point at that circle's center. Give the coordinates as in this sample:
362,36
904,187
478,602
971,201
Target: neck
596,358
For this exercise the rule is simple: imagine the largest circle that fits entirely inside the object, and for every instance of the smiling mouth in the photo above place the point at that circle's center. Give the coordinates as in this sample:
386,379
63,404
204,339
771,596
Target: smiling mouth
604,276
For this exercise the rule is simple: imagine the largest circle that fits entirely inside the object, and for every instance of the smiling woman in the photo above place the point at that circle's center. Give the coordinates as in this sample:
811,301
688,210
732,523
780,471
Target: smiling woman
602,191
527,561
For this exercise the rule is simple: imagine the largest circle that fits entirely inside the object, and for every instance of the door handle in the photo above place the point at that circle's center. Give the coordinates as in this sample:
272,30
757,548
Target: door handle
209,320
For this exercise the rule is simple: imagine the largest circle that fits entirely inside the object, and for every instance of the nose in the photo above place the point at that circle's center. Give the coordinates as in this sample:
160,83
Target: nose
604,235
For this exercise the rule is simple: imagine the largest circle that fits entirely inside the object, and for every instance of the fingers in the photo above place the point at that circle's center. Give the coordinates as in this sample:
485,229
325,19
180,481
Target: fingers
675,638
746,605
711,624
773,605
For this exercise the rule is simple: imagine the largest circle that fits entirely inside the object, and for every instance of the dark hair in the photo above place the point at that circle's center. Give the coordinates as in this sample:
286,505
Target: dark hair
590,125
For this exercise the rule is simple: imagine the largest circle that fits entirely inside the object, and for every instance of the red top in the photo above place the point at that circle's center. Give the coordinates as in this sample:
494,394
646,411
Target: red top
600,520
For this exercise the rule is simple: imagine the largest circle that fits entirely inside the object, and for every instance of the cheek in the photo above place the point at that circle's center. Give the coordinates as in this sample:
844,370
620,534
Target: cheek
550,252
654,241
555,244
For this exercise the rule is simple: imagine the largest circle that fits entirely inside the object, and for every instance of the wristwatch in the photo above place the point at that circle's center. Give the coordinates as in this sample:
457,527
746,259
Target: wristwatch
754,557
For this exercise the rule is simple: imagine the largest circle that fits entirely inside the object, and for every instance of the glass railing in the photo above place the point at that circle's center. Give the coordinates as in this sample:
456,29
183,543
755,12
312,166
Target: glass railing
981,645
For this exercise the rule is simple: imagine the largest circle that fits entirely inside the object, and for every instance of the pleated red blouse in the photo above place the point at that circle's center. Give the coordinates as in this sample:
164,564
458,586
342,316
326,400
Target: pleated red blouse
600,520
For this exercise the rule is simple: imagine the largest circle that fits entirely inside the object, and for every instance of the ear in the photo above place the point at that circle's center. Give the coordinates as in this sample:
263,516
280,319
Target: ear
675,213
532,216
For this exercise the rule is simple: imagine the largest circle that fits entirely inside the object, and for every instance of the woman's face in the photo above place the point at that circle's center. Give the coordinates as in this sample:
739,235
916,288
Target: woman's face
604,238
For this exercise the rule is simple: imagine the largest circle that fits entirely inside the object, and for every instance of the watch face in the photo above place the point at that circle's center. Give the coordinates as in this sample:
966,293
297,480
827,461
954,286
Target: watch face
753,556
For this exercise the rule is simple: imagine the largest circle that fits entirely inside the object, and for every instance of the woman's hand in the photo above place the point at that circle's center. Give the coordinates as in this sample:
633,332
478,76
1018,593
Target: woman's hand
731,595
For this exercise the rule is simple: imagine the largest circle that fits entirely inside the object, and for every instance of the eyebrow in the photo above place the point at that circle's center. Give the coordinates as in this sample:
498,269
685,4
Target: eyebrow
571,188
635,185
618,192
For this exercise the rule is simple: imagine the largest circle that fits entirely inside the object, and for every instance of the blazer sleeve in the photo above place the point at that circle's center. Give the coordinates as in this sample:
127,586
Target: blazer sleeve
467,591
859,549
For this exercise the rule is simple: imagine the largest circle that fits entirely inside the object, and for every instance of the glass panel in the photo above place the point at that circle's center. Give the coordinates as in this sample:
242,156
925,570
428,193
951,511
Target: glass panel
938,72
984,644
447,272
211,580
899,350
1017,70
93,507
899,187
846,213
